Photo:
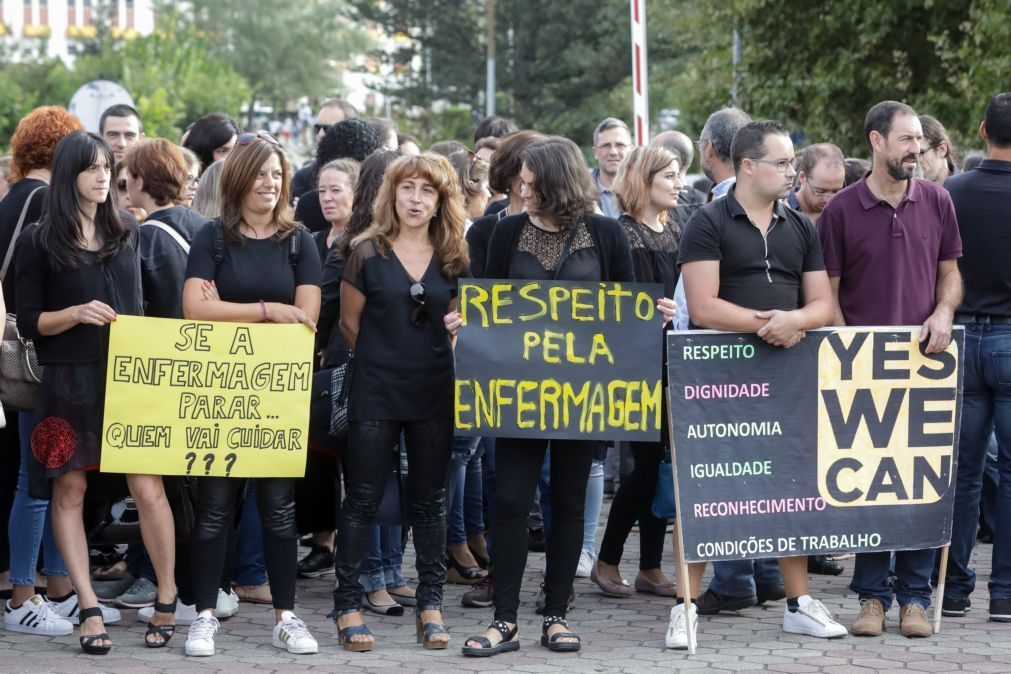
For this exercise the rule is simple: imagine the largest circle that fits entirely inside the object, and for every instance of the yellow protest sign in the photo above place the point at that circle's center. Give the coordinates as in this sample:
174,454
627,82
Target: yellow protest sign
199,398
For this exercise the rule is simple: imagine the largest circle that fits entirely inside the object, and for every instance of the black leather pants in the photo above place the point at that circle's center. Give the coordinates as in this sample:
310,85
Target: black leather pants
217,500
368,463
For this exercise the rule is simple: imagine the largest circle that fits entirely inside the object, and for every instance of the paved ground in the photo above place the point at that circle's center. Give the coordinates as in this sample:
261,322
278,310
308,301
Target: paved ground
619,636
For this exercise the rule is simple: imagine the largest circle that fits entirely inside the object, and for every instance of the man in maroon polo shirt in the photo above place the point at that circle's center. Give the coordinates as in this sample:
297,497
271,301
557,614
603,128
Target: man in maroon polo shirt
891,243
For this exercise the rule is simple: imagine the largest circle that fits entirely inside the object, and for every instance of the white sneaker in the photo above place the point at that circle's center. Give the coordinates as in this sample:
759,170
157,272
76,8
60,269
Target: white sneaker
69,609
813,619
200,638
228,604
36,616
677,629
292,634
586,562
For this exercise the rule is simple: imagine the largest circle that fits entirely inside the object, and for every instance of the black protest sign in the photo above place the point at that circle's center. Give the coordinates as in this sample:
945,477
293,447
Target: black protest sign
557,359
847,441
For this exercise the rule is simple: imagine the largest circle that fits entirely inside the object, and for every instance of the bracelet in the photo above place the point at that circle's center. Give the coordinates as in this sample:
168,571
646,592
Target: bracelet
263,310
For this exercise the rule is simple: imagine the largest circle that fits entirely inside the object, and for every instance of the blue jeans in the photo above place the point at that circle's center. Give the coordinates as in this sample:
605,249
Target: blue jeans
384,556
912,582
247,564
986,404
464,514
591,509
991,478
740,577
30,522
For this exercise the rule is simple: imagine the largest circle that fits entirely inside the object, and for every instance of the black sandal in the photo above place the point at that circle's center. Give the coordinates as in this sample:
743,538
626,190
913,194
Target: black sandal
508,644
166,631
552,643
88,640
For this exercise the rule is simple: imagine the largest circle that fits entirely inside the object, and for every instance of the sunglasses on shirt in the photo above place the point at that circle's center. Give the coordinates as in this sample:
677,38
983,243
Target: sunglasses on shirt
419,315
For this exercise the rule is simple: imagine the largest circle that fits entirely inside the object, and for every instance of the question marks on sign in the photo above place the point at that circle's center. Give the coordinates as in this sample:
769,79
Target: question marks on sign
191,457
229,462
208,462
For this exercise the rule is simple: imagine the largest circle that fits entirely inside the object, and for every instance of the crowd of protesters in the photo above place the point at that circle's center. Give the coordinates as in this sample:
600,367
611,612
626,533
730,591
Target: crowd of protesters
364,245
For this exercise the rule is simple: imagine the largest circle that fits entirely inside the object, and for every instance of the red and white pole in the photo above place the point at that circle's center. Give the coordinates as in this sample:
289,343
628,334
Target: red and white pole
640,98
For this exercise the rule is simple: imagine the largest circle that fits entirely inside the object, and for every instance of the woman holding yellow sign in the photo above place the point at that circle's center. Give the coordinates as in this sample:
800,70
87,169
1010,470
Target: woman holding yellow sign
264,268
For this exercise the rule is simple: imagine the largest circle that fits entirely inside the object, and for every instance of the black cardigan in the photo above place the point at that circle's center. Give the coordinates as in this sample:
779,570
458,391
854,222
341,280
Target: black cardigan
608,237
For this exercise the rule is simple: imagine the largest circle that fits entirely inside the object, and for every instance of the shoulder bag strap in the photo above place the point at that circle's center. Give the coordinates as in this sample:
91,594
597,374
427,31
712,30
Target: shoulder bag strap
17,232
171,232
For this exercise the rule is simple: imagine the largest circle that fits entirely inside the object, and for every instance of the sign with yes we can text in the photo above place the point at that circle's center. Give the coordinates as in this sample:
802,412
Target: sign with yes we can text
559,359
845,442
200,398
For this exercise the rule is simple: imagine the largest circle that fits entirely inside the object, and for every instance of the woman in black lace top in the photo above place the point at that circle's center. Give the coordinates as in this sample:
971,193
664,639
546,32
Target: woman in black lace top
647,186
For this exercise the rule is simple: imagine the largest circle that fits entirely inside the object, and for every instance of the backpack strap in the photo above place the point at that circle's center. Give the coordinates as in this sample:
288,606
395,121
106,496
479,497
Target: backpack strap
17,232
219,244
176,236
293,248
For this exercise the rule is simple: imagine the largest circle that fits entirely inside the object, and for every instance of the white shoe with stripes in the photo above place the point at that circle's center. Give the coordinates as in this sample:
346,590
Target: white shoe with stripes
69,609
36,616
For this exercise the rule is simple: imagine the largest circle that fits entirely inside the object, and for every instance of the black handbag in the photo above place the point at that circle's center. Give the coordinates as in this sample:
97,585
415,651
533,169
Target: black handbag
340,396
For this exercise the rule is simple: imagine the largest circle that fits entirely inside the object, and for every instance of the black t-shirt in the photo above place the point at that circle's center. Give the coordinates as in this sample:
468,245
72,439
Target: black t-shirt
10,210
255,269
303,179
756,272
982,199
402,372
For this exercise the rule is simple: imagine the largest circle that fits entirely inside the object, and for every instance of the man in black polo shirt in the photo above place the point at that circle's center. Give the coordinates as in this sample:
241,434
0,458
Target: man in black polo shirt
752,265
982,199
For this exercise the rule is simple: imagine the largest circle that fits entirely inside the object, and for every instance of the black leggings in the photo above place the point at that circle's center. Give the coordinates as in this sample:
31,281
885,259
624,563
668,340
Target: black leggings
368,465
518,465
633,502
217,500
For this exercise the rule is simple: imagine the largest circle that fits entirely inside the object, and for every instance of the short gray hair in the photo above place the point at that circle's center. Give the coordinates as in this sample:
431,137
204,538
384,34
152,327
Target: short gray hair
720,129
606,125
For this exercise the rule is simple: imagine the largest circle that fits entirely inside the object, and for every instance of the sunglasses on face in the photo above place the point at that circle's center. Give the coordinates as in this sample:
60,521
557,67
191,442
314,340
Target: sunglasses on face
321,128
121,185
419,315
248,137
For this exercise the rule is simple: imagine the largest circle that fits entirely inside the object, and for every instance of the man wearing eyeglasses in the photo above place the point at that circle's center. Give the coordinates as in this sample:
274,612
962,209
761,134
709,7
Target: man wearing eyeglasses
331,112
752,265
611,142
891,245
821,172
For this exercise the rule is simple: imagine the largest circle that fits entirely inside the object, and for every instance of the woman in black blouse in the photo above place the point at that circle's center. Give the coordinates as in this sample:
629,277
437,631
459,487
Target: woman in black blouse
77,270
647,187
246,254
399,283
560,237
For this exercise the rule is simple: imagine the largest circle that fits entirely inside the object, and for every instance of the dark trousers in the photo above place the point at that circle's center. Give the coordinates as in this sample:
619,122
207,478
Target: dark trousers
370,459
318,494
217,498
10,462
912,582
516,478
633,502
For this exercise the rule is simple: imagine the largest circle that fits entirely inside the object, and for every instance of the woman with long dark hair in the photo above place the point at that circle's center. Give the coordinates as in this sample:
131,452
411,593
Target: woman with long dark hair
647,187
255,279
399,282
77,270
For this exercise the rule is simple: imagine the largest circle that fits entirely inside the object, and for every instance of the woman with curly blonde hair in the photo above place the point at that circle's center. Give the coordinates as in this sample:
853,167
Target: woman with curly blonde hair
398,284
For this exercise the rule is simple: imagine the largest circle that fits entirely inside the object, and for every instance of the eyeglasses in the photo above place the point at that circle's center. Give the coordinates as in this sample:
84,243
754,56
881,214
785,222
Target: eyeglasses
780,164
419,315
819,192
192,180
321,128
248,137
121,185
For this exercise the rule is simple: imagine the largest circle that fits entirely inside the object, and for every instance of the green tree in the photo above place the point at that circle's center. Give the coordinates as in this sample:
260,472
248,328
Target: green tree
284,50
